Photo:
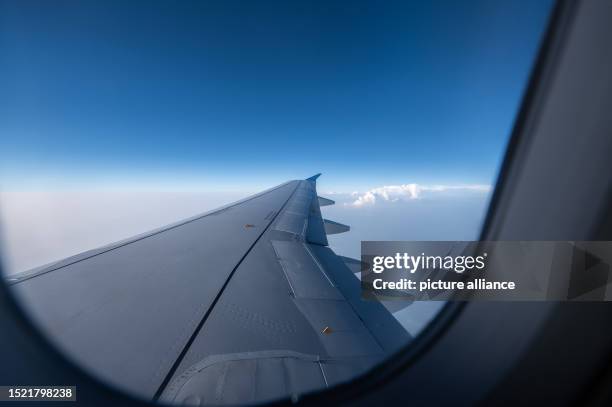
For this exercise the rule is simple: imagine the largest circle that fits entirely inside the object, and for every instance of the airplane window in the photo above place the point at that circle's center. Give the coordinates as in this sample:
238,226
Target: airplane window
164,223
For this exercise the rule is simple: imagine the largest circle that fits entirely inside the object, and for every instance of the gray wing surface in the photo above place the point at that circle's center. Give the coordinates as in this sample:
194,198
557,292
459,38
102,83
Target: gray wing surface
242,304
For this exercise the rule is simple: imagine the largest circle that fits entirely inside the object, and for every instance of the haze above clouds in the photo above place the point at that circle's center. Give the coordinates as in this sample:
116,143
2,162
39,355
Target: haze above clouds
45,226
404,192
407,212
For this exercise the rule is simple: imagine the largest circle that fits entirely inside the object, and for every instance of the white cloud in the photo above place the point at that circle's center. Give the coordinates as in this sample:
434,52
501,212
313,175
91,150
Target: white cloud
408,192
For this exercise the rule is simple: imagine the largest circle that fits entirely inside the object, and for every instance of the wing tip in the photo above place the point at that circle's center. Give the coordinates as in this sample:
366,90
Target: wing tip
314,177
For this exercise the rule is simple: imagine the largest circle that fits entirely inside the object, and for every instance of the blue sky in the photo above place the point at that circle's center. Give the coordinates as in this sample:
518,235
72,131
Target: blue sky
231,95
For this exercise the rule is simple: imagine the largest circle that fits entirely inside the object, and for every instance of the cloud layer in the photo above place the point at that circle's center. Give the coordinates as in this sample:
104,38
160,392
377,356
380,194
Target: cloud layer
408,192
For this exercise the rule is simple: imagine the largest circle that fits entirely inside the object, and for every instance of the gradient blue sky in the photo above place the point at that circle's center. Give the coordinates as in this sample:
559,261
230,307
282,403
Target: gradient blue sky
248,94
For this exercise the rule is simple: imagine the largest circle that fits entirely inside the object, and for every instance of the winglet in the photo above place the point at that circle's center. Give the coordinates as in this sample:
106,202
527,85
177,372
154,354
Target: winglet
314,177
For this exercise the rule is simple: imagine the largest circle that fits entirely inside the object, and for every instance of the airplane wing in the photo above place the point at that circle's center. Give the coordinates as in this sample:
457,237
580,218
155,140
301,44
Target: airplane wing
242,304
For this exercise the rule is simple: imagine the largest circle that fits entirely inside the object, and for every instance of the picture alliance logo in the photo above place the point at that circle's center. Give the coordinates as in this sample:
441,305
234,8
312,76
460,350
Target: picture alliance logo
411,263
